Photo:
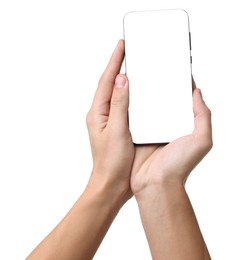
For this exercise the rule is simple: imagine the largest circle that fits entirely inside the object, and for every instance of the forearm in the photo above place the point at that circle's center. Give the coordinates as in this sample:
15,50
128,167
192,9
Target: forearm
80,233
170,224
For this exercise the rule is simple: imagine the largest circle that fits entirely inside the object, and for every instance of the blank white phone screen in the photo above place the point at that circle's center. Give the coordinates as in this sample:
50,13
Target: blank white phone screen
157,56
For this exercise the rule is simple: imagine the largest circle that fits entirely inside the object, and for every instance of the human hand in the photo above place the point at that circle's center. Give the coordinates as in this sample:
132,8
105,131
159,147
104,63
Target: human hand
109,184
158,165
107,121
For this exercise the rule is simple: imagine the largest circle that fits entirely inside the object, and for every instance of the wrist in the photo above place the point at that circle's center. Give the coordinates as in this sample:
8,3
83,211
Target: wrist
157,192
111,193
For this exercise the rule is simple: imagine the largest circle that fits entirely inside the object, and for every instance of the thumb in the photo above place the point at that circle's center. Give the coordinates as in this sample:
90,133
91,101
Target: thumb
203,125
118,117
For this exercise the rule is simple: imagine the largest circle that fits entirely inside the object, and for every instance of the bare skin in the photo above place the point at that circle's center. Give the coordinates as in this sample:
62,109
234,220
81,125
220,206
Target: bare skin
158,182
154,174
80,233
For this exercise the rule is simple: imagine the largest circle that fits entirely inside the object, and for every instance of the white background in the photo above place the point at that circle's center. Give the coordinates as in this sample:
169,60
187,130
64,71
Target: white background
51,56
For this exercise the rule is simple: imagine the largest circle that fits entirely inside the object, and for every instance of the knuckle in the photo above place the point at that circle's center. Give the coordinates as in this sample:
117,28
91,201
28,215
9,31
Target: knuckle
119,99
89,119
206,144
210,143
209,112
116,101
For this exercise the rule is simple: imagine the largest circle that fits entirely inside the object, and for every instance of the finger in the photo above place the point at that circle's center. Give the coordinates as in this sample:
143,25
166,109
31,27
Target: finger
203,125
118,117
105,87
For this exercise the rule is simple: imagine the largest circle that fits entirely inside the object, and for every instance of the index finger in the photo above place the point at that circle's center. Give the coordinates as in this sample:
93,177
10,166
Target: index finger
101,102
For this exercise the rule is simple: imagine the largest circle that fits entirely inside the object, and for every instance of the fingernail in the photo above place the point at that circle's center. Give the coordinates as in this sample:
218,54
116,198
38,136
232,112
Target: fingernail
120,82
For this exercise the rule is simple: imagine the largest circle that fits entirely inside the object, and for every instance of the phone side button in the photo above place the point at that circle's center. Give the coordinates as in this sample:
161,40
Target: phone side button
190,41
191,59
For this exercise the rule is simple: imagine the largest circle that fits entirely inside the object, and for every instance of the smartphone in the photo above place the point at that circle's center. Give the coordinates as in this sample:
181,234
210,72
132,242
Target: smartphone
158,65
